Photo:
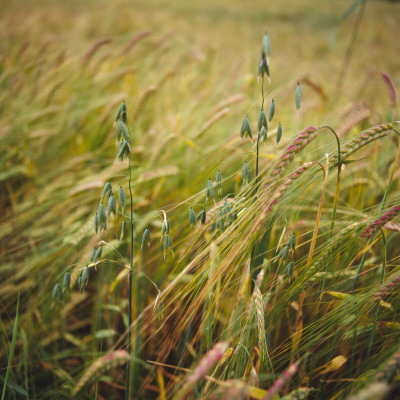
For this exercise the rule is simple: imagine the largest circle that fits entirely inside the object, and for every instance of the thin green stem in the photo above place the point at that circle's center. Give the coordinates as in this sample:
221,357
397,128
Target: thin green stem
12,349
337,181
257,157
258,135
128,365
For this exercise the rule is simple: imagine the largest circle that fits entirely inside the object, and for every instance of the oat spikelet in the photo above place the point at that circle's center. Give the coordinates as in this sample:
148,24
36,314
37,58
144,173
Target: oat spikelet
205,364
101,365
295,147
362,140
376,225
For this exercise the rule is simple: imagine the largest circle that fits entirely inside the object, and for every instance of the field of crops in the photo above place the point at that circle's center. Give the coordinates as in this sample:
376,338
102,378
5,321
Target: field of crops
199,200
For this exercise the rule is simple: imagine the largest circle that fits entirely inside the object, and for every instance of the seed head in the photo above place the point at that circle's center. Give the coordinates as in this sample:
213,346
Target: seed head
106,191
192,217
202,216
99,251
165,226
218,181
298,96
123,150
226,209
271,110
111,206
289,270
121,113
279,133
283,253
67,280
123,229
245,129
262,121
246,173
221,221
96,223
263,134
263,68
85,276
266,46
121,195
122,131
101,211
292,242
210,190
167,245
145,238
57,292
80,285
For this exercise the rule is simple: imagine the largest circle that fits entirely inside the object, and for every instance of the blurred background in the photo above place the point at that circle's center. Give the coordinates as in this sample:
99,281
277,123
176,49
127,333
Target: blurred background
188,74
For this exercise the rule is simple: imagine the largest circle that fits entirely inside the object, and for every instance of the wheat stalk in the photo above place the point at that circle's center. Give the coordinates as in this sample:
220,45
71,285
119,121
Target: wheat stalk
380,222
101,365
205,364
362,140
295,147
281,381
383,291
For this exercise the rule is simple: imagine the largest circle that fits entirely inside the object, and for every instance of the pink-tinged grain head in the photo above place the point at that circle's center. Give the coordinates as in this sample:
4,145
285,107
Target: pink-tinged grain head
392,89
205,364
295,147
90,53
380,222
281,381
384,291
141,35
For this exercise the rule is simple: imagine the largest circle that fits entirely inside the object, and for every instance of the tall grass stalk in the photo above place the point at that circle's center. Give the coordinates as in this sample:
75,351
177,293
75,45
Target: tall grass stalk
299,317
130,371
12,349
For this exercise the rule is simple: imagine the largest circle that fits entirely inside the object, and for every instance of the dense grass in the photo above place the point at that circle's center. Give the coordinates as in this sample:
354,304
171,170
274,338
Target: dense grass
188,73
